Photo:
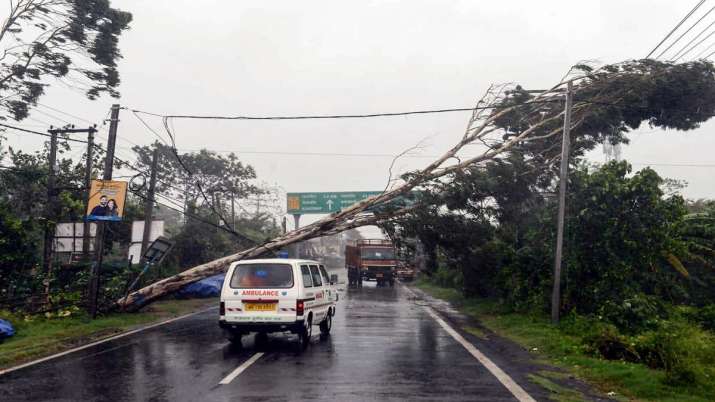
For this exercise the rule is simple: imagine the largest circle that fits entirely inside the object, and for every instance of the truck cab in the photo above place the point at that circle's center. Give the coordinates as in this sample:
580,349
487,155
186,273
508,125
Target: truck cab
372,259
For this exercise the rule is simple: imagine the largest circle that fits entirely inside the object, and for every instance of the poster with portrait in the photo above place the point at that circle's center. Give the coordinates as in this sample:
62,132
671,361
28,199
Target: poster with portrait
106,200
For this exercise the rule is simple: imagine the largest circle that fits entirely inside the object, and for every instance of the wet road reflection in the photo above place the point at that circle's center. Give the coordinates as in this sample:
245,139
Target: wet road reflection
382,347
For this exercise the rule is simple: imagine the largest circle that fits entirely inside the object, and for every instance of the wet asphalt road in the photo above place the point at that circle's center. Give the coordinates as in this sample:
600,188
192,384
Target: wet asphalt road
383,346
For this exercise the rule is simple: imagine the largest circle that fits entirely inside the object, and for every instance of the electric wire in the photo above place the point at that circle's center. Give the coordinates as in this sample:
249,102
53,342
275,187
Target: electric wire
686,32
38,133
700,3
703,51
166,120
51,116
336,116
156,134
195,217
65,113
696,45
693,39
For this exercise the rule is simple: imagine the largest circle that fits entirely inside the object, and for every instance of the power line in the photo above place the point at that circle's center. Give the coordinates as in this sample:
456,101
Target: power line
129,165
38,133
697,44
64,113
700,3
52,116
195,217
696,37
307,117
703,51
149,127
686,32
337,116
314,153
165,120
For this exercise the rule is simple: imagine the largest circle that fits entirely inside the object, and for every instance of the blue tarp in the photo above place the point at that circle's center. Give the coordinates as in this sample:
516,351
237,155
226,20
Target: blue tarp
6,329
209,287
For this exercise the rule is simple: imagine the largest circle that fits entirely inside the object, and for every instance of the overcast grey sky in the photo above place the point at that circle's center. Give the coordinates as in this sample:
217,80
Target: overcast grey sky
226,57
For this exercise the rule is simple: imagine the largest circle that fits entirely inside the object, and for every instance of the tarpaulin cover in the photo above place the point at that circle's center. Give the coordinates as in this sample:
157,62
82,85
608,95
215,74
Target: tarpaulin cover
6,329
209,287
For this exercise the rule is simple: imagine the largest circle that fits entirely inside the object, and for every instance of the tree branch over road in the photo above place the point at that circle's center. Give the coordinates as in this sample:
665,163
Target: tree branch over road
608,103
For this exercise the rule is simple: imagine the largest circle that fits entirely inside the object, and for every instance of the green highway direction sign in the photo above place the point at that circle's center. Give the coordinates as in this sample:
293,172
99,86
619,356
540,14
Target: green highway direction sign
325,203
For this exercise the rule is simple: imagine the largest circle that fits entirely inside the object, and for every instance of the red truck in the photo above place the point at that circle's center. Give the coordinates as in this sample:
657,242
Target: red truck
371,259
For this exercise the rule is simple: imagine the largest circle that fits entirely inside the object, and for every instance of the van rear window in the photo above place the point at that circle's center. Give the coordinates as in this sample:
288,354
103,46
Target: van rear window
262,276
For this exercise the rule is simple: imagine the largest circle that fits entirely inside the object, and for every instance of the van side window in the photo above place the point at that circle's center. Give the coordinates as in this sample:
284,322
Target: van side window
326,277
307,280
316,275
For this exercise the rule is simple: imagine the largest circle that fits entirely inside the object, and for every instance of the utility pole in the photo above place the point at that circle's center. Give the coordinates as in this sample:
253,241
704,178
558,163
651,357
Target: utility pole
149,203
216,208
563,181
50,212
186,200
87,185
99,239
233,212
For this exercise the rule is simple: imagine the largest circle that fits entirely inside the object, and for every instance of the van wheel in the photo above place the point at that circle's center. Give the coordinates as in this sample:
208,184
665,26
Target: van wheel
261,338
234,338
326,324
306,333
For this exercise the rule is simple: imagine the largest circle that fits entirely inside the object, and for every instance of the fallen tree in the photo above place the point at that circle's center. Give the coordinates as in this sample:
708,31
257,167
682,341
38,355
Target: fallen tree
608,102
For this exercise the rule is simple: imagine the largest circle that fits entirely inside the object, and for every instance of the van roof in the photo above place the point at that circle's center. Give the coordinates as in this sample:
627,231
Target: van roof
277,261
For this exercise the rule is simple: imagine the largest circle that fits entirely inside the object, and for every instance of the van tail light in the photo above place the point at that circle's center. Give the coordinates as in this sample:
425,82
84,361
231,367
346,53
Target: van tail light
222,308
299,307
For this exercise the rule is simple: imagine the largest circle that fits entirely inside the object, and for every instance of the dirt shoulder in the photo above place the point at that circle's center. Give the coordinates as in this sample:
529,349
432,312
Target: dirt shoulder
524,365
38,336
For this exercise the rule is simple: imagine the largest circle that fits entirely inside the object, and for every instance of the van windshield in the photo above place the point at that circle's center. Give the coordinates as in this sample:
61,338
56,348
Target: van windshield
262,276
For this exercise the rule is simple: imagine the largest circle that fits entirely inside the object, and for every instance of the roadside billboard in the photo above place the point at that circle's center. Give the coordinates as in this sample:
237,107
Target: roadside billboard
106,200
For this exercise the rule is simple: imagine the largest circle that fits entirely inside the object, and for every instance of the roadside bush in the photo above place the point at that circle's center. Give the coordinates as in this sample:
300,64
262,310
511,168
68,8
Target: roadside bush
634,314
448,278
705,316
685,352
610,344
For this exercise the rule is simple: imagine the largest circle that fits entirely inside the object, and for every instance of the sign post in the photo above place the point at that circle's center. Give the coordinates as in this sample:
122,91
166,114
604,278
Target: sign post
153,255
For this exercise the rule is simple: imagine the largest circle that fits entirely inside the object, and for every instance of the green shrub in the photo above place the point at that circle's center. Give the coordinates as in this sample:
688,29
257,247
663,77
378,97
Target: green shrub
610,344
684,351
634,314
448,278
705,316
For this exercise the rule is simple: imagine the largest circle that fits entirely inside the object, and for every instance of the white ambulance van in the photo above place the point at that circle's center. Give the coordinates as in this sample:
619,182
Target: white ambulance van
277,295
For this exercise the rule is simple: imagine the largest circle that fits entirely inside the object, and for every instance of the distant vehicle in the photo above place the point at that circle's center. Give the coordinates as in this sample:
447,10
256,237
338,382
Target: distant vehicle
277,295
404,272
371,259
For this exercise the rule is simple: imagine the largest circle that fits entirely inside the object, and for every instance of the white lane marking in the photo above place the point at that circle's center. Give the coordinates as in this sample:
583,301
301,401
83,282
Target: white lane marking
240,369
111,338
503,378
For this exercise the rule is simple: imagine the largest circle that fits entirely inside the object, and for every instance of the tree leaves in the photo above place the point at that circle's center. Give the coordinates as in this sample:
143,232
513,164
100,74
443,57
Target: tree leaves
53,40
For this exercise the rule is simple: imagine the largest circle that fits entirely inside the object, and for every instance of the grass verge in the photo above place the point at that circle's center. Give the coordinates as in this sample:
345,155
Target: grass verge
37,336
629,381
